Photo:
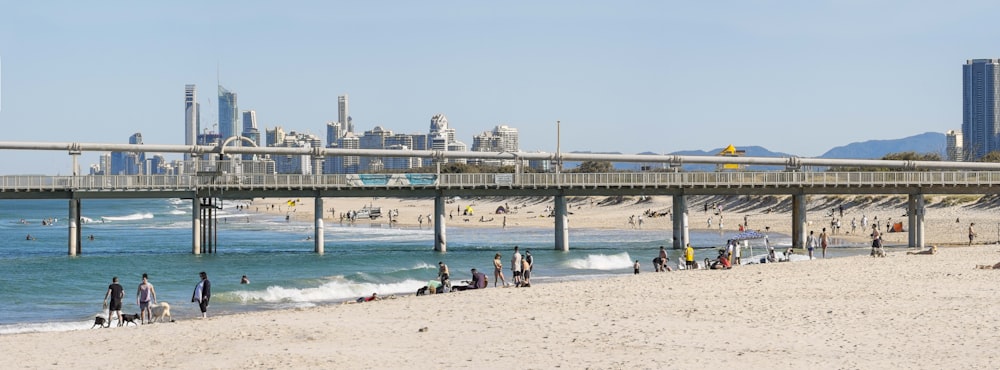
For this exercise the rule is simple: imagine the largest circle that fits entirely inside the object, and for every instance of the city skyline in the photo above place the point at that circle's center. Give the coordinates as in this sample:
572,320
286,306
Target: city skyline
621,77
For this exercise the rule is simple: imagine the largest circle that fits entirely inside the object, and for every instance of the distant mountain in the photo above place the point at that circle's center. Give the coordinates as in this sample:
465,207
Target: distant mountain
928,142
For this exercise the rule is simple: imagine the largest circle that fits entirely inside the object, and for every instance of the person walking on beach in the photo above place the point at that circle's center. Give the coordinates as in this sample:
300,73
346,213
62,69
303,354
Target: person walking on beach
689,257
854,224
116,293
515,266
202,293
635,267
498,271
143,296
811,243
420,220
823,241
972,232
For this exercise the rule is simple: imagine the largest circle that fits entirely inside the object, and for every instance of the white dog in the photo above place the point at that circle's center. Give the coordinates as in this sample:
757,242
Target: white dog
160,311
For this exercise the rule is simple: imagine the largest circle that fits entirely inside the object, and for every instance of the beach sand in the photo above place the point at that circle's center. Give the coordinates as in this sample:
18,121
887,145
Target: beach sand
940,226
903,311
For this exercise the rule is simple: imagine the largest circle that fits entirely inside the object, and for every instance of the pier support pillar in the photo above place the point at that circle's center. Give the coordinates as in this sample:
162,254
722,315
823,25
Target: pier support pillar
917,224
440,240
318,227
682,235
911,221
74,227
195,225
798,220
562,224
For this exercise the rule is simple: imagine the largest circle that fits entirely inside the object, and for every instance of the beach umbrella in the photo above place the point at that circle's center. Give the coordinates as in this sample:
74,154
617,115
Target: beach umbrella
748,235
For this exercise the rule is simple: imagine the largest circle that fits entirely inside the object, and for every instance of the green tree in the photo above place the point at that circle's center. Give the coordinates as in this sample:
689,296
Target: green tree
595,167
993,156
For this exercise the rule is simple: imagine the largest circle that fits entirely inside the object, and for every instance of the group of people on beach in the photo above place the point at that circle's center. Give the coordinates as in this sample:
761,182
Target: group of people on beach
145,298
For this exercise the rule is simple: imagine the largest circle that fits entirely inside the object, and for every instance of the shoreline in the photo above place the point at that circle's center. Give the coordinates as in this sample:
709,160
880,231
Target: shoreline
833,313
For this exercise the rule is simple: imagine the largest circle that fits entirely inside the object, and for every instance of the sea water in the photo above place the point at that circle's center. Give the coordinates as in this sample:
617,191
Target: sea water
45,289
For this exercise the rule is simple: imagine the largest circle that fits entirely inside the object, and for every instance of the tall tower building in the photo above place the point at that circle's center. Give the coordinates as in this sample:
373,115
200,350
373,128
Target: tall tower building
343,114
191,117
954,145
980,107
228,113
250,129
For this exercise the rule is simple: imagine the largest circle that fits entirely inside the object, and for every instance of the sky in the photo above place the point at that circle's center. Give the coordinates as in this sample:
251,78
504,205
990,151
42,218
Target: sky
797,77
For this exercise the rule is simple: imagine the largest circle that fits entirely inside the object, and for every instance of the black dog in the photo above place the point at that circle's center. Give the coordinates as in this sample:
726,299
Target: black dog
100,321
127,319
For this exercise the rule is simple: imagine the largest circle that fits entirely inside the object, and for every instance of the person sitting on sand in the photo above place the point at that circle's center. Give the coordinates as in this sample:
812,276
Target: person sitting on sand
721,263
989,267
931,250
478,282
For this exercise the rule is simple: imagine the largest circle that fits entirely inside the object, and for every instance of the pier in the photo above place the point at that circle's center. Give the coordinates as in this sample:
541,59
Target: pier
912,178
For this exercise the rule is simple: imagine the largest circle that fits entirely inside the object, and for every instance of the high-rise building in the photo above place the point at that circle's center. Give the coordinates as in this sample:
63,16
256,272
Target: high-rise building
250,130
192,119
344,114
980,107
273,137
129,163
228,114
954,145
334,130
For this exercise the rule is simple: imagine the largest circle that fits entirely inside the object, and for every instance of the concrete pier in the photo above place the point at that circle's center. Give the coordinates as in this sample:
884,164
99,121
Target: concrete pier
799,220
562,224
915,217
682,234
440,240
318,226
74,227
195,225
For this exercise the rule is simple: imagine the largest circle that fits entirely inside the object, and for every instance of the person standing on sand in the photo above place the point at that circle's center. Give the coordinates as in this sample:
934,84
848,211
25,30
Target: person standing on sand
689,257
811,243
116,293
515,266
143,296
635,267
202,293
498,271
972,232
823,241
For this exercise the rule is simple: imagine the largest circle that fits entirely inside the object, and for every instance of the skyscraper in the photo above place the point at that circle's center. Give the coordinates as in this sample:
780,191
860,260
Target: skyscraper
191,118
228,114
250,130
954,145
980,107
343,114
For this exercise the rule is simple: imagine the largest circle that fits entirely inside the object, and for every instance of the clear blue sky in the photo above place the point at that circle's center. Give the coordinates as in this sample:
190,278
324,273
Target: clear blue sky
793,76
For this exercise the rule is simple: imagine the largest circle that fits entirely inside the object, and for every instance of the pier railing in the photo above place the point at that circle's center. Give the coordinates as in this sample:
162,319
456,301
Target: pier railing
663,180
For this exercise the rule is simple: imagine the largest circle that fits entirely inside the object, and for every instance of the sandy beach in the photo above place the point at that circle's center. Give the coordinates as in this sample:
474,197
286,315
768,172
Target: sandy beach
772,212
903,311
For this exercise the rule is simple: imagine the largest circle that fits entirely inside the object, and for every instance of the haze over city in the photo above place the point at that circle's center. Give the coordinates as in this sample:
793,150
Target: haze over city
621,76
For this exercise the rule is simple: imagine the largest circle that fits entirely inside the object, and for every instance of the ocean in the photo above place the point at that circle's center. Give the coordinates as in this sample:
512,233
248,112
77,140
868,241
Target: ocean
45,289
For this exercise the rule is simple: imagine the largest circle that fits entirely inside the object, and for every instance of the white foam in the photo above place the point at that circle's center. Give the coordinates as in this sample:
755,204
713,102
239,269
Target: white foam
337,289
601,262
131,217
